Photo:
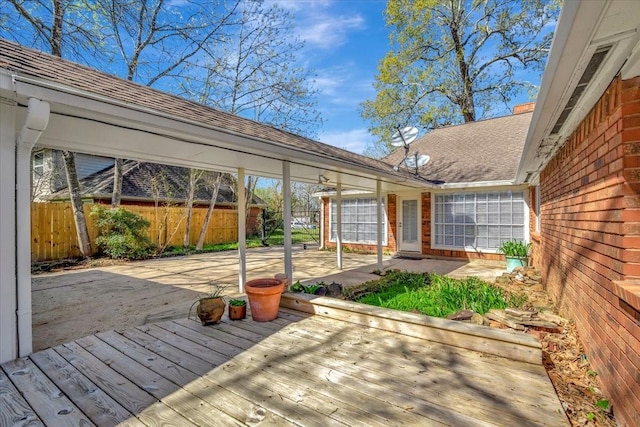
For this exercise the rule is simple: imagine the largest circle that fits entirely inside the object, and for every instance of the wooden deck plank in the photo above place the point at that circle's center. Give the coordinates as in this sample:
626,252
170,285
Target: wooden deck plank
482,403
500,342
392,340
475,365
182,402
377,396
224,401
43,396
300,369
14,410
441,361
95,403
169,352
197,350
350,406
169,370
123,391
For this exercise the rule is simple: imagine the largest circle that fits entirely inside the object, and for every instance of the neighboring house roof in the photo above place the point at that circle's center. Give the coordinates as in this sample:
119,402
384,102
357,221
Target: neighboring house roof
142,181
483,151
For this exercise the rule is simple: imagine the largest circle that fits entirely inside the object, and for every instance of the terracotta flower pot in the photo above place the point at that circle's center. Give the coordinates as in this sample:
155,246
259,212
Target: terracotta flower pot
237,312
264,298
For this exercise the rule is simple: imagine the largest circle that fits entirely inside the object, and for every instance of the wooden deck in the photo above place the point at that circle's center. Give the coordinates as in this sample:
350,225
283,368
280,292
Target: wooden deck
300,369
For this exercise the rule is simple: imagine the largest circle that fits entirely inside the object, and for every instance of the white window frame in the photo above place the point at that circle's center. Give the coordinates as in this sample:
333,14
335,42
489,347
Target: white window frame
525,200
385,223
39,164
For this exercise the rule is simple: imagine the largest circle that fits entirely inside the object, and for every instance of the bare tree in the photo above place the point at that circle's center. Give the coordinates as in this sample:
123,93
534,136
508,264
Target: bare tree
212,181
155,41
194,178
84,243
52,33
255,74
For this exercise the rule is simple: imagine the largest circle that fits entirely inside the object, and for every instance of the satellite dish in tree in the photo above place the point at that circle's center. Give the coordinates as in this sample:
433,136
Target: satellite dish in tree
404,137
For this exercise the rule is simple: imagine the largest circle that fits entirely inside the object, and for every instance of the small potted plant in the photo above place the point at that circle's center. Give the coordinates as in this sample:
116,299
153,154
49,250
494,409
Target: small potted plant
516,252
210,307
237,309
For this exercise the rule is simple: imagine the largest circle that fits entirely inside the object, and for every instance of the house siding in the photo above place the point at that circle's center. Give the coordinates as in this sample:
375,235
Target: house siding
588,248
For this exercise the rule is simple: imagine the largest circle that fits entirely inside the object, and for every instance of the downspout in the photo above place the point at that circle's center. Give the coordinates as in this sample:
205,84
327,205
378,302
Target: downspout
35,123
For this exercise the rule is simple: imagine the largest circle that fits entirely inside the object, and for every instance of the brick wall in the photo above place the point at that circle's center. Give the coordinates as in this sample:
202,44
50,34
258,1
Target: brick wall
589,242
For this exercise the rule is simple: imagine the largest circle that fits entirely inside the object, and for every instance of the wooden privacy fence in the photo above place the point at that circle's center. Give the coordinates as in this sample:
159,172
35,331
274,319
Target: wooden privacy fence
53,232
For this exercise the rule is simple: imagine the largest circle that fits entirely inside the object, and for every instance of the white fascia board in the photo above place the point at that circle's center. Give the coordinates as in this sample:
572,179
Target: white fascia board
107,110
583,28
478,184
563,58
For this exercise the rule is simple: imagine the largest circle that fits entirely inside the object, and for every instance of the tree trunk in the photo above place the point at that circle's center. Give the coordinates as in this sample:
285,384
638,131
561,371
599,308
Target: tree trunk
56,28
207,218
194,177
117,184
76,202
251,189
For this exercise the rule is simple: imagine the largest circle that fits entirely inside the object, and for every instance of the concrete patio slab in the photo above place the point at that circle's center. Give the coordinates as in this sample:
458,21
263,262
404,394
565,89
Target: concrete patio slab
73,304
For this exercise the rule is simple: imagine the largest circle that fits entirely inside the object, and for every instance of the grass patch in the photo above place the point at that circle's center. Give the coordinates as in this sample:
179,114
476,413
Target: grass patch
436,295
276,239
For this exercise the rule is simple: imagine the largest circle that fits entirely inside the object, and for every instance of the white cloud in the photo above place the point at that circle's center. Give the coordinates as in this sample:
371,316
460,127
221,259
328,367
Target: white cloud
326,31
354,140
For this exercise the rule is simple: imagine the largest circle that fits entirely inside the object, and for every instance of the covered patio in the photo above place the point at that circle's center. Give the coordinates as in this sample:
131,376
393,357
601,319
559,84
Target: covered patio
301,369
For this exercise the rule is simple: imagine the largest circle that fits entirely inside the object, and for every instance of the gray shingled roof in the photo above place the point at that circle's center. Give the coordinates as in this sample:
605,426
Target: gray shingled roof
138,178
486,150
33,63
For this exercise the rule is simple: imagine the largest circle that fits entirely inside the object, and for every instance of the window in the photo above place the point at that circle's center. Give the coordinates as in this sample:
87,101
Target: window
38,165
478,220
359,221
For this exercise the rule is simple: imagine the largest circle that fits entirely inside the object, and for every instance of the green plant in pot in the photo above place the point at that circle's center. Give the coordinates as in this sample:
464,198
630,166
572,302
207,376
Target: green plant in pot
210,307
516,252
237,309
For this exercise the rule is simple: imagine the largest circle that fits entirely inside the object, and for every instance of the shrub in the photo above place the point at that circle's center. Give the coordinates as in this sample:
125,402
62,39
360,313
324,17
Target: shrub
122,234
515,248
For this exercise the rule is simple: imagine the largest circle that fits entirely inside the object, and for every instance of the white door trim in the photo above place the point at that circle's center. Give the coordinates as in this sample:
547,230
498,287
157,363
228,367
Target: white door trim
409,246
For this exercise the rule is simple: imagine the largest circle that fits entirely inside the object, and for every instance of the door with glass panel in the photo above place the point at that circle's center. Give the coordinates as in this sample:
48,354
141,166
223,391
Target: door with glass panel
409,224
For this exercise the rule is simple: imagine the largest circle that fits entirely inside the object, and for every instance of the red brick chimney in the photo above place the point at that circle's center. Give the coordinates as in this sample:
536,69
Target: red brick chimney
524,108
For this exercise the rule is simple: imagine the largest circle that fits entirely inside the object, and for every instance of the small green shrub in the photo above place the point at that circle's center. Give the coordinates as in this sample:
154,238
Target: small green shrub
515,248
237,302
122,234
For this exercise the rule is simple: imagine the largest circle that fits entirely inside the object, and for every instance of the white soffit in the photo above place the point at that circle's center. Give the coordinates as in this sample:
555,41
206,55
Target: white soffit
584,27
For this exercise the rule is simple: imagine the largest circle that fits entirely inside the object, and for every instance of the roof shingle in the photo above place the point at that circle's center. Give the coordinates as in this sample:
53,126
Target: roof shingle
486,150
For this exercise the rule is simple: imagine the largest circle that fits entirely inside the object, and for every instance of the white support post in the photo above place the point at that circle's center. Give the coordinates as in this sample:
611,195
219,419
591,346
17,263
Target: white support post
8,282
242,232
339,224
379,221
321,225
286,194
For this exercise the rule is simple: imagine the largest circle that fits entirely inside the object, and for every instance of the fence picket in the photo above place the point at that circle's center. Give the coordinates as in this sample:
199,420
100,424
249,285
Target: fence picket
53,231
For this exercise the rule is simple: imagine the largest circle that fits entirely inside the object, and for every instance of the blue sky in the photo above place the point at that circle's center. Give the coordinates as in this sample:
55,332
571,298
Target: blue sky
345,40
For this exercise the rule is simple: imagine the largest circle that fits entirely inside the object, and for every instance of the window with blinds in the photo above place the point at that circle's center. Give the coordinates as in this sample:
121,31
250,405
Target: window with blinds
478,220
359,221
